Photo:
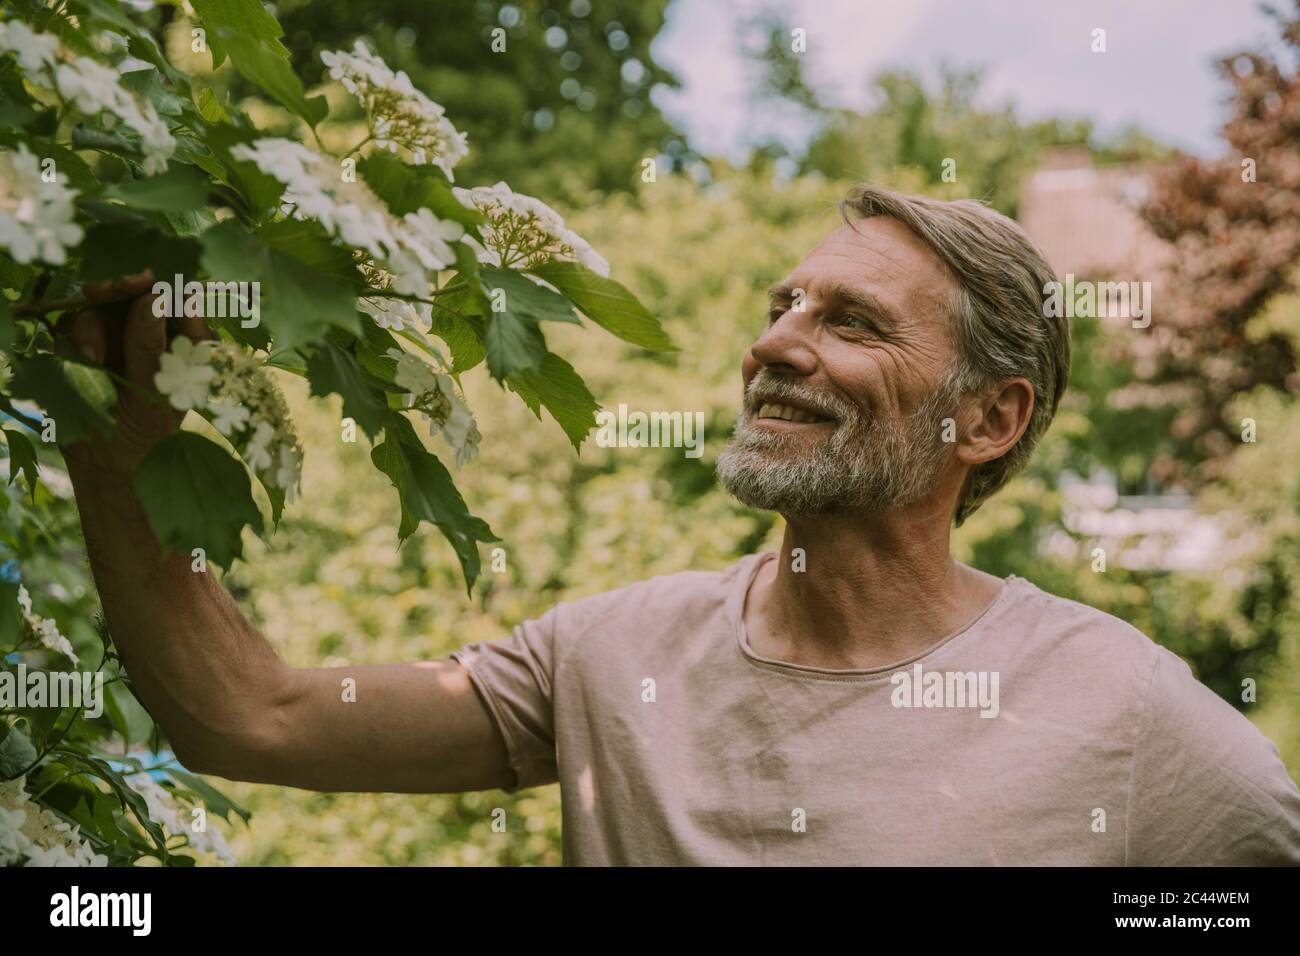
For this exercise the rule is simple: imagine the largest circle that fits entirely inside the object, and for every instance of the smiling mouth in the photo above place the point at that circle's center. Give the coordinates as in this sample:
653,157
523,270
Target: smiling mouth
788,413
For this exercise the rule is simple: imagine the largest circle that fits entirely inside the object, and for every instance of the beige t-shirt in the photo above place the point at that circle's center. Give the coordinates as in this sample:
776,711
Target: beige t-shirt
1044,732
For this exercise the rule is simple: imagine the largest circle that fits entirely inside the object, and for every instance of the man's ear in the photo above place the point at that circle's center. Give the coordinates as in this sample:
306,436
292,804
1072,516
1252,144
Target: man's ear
997,420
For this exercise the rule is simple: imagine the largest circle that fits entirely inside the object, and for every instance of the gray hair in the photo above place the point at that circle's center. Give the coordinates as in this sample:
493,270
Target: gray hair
999,323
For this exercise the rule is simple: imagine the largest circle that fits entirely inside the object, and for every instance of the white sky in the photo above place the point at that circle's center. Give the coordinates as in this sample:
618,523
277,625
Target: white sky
1157,71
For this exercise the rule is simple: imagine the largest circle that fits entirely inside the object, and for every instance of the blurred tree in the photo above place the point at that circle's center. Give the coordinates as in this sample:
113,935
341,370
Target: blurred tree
563,109
915,127
1235,222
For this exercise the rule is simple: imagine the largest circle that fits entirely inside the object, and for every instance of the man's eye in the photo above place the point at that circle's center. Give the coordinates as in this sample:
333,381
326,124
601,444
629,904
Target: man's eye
774,313
853,320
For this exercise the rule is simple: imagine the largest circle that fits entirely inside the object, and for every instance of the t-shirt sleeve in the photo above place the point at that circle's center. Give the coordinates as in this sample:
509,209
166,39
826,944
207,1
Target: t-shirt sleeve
514,677
1208,788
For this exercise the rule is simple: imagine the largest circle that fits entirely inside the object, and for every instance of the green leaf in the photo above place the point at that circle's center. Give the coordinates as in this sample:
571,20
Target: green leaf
126,715
246,18
213,800
6,324
607,304
16,753
22,457
250,36
308,242
149,85
513,345
261,190
115,249
11,618
332,369
405,188
462,340
210,107
298,303
197,496
514,337
561,390
78,397
180,189
427,493
91,137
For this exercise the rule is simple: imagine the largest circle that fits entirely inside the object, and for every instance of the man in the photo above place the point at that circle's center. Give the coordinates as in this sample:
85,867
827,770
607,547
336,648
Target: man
859,698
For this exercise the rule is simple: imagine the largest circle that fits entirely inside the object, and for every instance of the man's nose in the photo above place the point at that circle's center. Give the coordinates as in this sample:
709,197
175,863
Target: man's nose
787,344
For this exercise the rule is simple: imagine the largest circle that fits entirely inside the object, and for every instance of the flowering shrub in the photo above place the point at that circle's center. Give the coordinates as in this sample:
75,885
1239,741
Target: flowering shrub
365,272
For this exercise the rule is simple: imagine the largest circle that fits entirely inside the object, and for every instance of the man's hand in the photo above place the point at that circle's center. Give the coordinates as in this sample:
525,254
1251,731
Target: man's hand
122,334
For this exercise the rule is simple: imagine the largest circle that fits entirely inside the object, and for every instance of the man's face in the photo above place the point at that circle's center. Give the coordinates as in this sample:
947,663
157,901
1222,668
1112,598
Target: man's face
844,397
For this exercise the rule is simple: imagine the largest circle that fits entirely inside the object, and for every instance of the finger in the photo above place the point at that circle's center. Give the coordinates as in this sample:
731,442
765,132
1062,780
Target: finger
87,334
144,340
98,291
194,328
137,284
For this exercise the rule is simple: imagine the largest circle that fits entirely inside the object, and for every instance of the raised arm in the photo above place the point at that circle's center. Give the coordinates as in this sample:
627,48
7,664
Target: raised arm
228,704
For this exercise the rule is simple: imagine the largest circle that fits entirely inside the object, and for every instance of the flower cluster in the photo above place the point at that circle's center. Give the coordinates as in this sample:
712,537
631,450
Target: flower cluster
389,313
231,389
46,631
522,232
400,115
434,394
36,217
412,248
31,832
90,86
164,810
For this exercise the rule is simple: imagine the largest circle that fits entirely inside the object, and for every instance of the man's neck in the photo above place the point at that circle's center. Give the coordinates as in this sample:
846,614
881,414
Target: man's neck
863,590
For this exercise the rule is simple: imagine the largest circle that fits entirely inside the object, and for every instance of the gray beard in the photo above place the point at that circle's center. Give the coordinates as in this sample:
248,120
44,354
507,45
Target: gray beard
862,465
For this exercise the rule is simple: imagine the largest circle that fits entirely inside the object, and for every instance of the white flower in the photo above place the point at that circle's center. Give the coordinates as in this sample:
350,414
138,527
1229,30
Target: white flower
11,835
45,629
413,374
522,231
400,115
31,831
434,394
36,217
410,249
258,452
34,51
95,88
48,633
432,237
288,470
185,373
90,86
247,407
227,418
460,430
164,810
397,314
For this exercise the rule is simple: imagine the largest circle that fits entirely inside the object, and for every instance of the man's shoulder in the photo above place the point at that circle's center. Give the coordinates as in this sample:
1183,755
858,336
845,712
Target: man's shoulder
663,601
1093,639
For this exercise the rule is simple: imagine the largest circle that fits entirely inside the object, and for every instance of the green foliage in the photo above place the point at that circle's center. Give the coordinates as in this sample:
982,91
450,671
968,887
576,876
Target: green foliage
183,469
